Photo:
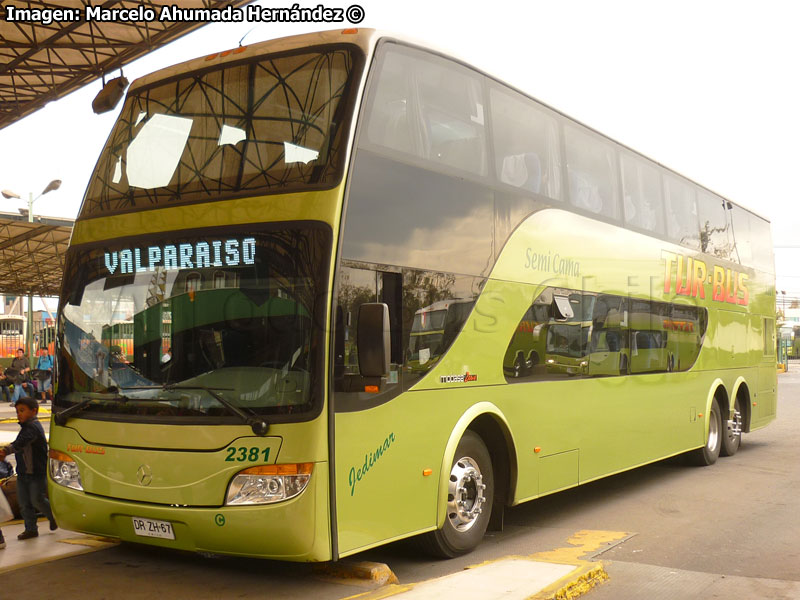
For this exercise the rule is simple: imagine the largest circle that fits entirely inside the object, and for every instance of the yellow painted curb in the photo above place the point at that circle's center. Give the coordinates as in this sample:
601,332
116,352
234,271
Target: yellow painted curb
90,541
582,584
42,412
373,573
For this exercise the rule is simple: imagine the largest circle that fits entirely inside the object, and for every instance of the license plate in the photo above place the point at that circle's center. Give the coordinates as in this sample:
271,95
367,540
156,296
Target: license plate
151,528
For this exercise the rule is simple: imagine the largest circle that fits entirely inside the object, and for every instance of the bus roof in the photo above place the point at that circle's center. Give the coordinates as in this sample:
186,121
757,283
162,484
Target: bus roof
366,39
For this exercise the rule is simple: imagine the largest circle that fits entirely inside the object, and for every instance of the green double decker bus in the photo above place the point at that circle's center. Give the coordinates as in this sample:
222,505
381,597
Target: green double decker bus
335,290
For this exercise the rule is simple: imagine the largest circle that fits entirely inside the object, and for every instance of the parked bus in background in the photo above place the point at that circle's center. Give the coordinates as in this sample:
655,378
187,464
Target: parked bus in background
298,213
12,334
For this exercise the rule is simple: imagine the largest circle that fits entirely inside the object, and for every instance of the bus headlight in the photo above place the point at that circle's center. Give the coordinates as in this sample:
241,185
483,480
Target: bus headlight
64,470
269,483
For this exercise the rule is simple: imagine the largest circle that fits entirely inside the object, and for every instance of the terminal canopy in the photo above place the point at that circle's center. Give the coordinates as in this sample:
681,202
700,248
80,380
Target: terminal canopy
32,254
41,62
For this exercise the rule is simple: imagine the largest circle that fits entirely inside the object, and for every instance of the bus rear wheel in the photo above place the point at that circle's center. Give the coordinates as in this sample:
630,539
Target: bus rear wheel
708,454
732,438
470,493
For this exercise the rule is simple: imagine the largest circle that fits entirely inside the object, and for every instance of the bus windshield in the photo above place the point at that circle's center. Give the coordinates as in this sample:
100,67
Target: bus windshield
164,321
274,124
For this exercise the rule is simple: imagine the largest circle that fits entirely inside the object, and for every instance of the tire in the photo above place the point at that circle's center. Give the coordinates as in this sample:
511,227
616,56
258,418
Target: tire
732,431
471,482
708,454
520,367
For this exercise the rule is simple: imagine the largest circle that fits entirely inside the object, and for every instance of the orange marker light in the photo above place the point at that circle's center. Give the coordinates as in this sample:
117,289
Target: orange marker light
286,469
371,389
212,56
58,455
427,472
537,449
349,31
699,414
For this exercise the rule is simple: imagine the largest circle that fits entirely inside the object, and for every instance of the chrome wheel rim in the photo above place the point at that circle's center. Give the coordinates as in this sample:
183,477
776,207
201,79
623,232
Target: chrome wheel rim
713,432
465,494
735,424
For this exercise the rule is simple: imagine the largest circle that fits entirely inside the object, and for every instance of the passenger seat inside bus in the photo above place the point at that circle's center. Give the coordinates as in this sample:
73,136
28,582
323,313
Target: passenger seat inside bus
522,171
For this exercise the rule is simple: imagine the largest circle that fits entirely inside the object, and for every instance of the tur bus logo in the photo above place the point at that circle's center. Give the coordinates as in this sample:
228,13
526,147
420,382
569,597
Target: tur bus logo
688,276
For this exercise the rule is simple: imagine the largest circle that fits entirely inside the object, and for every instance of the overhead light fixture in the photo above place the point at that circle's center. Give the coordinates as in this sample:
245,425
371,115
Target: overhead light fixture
110,95
52,186
9,194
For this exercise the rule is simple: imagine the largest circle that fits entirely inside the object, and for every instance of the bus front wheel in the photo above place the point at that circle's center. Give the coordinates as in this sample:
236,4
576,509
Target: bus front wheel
470,492
708,454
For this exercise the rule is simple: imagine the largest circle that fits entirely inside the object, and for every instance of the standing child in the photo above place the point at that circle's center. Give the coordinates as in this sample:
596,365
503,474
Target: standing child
30,448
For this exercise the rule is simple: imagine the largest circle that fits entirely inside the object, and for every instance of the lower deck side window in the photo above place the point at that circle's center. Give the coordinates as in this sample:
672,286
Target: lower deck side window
566,334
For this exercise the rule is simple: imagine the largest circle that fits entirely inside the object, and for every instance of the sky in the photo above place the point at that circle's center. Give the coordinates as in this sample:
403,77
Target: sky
708,88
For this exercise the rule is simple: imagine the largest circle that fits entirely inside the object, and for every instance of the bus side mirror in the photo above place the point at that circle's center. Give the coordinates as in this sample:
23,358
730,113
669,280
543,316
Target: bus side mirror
373,339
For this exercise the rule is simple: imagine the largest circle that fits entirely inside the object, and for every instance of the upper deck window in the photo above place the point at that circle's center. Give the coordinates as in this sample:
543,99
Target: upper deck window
714,229
429,108
591,172
682,219
274,124
641,194
526,144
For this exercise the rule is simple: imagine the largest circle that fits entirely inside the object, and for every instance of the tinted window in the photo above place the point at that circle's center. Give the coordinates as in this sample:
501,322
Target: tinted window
714,229
142,314
607,335
274,124
427,311
410,212
681,207
686,329
752,240
526,147
428,107
641,194
762,244
591,172
743,248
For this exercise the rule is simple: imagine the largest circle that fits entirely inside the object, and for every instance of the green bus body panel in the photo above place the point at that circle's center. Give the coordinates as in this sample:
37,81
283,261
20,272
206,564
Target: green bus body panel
178,477
585,428
296,529
324,206
195,475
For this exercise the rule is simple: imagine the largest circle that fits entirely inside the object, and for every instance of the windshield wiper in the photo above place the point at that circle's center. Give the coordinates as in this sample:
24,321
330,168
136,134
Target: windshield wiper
257,424
63,416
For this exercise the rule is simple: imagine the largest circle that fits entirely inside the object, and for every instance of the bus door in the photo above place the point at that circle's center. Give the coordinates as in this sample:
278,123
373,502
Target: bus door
376,485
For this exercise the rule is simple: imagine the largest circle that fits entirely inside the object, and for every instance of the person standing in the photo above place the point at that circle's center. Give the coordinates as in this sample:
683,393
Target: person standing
45,363
30,449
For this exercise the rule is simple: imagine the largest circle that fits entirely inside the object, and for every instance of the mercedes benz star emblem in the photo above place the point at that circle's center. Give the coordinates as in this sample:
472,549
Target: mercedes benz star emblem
144,475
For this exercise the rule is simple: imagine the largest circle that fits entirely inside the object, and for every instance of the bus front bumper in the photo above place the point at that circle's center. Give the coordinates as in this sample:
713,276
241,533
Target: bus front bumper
293,530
